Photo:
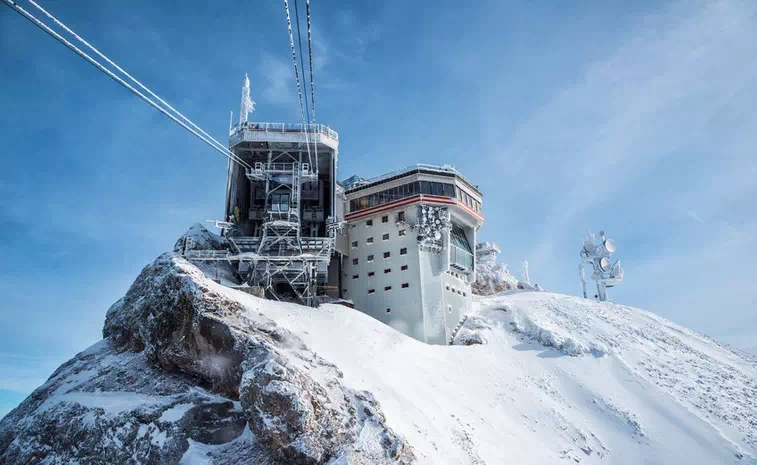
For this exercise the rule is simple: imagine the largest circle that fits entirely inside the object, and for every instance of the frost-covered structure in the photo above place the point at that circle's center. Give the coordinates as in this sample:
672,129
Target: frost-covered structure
295,234
605,273
491,277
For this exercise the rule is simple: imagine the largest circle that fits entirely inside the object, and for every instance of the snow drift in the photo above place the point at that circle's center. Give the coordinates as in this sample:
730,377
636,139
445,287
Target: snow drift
190,371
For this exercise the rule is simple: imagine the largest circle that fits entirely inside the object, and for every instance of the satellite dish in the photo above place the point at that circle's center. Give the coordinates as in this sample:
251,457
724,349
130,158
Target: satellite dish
610,246
588,246
604,263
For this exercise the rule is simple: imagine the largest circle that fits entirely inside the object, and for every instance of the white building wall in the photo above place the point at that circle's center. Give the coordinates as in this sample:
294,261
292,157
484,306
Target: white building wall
404,304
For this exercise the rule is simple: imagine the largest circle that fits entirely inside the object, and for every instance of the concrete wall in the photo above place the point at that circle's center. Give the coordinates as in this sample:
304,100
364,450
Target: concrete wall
404,304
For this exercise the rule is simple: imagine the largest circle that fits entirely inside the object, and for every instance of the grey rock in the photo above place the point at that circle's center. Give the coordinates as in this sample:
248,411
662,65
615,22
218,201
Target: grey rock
185,369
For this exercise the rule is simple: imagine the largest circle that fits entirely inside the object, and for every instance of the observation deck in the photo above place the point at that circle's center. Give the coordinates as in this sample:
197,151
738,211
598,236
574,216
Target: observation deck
283,132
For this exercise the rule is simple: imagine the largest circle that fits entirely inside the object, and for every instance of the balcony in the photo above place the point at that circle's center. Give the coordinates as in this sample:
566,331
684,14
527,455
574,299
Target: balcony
460,259
283,132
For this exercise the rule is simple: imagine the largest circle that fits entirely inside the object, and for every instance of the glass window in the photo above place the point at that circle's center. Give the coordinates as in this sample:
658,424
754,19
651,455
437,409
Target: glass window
387,288
385,237
437,188
402,232
354,243
369,222
458,238
425,187
369,240
400,218
403,251
449,190
354,261
387,254
355,276
370,258
371,274
405,285
388,310
371,291
403,267
387,270
385,219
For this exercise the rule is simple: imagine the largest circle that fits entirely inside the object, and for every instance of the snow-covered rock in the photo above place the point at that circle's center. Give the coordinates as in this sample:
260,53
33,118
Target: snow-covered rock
183,363
194,372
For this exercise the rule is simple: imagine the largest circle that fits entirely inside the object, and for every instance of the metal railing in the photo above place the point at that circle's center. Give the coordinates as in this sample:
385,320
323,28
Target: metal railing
417,166
285,127
460,258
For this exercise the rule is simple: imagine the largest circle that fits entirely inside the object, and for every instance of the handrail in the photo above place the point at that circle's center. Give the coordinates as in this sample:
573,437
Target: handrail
418,166
285,127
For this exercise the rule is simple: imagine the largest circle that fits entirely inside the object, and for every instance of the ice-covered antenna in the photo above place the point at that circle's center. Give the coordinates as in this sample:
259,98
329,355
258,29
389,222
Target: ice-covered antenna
605,274
526,278
248,105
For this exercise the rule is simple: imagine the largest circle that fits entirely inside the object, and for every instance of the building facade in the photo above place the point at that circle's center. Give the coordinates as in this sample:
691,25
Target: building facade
400,246
411,261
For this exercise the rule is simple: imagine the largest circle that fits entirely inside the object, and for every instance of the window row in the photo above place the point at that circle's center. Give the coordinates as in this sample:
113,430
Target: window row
387,255
400,192
388,288
456,291
411,189
386,271
384,237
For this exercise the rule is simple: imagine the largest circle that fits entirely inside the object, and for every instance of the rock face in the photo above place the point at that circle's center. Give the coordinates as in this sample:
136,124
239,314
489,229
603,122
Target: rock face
185,370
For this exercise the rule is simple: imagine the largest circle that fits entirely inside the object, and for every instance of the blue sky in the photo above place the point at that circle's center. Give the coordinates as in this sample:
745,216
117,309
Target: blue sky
636,117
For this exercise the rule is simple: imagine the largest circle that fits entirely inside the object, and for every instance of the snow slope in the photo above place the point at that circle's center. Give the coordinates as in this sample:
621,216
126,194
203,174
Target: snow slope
560,380
191,368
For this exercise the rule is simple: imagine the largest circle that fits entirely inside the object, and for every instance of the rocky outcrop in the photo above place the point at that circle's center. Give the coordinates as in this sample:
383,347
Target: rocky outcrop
186,369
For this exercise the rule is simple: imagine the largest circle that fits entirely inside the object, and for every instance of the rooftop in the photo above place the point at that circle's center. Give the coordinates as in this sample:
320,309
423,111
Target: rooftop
355,183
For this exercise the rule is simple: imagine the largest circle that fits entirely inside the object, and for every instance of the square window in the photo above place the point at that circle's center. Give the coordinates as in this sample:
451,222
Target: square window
370,258
388,310
354,244
403,268
449,308
371,291
369,223
371,274
369,240
465,294
387,270
402,232
403,251
354,261
405,285
400,216
387,288
353,226
355,276
387,255
385,237
385,219
446,287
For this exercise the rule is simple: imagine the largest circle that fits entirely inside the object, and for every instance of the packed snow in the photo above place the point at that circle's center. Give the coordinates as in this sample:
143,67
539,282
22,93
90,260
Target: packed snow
559,380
